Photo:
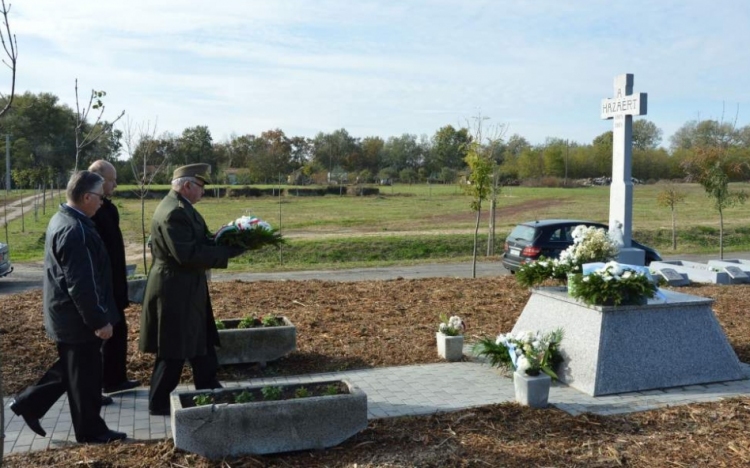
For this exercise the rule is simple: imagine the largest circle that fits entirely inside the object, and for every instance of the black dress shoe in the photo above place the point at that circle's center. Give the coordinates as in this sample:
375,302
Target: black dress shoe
159,412
107,437
122,386
107,400
33,423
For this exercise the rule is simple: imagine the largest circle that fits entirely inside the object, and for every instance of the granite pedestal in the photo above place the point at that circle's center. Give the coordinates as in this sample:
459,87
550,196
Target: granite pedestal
670,342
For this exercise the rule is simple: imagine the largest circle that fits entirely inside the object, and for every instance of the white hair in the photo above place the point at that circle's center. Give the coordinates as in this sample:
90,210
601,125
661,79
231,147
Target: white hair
180,182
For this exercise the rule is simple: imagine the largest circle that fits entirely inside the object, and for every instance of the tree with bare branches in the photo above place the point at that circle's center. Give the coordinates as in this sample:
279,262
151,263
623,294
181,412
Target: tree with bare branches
86,136
481,182
10,46
669,197
142,145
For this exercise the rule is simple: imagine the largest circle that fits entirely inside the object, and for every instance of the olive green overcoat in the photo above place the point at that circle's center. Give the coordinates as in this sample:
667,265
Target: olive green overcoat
177,321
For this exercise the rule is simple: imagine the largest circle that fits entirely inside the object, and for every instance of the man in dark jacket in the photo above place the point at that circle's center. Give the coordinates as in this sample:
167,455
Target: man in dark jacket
107,221
79,312
177,322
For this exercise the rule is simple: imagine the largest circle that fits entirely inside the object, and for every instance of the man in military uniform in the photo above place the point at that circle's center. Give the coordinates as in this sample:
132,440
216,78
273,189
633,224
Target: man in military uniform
177,322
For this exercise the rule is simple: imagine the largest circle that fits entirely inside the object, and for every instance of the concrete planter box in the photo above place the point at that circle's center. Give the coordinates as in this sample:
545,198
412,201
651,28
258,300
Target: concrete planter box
262,427
259,344
532,390
670,342
136,290
450,348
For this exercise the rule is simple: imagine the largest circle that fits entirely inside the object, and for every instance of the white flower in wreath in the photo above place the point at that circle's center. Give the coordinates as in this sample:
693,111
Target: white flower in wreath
579,232
522,364
614,268
524,336
570,255
250,222
456,323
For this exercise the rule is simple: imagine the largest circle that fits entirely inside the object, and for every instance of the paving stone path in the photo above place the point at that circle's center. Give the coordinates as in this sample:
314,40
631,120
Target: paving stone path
391,392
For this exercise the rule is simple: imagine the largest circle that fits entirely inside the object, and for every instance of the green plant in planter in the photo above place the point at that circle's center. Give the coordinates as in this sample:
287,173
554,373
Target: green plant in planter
301,392
244,397
613,285
220,325
247,322
203,399
331,390
271,321
271,393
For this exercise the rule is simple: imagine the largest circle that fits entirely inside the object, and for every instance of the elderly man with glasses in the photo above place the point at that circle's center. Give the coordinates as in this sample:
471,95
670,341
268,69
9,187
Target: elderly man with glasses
79,312
177,321
107,222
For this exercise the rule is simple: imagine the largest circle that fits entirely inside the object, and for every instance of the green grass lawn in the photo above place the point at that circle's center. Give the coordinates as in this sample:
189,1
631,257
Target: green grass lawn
413,223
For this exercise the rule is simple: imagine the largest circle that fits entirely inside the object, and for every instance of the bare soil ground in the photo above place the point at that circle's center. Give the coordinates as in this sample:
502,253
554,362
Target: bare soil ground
388,323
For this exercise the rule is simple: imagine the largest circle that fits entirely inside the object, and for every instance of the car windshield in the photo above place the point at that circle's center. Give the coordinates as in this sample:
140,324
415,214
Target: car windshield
522,232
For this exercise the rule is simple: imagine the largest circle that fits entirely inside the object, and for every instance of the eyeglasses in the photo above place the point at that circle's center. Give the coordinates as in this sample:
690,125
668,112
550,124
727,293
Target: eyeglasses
100,195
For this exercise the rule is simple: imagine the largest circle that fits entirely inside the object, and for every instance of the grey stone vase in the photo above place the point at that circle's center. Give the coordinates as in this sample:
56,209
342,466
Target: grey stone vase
450,348
532,390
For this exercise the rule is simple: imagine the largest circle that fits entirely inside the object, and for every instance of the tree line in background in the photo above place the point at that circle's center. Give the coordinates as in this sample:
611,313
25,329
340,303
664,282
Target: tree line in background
44,148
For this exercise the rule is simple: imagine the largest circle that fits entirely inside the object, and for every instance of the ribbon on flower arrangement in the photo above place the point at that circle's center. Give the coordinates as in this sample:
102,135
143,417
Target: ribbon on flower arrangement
248,232
503,340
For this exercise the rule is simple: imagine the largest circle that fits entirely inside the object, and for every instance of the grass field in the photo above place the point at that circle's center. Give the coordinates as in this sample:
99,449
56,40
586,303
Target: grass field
413,223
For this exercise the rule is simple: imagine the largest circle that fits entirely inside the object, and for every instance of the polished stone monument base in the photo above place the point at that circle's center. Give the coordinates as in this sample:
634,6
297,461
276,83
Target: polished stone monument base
670,342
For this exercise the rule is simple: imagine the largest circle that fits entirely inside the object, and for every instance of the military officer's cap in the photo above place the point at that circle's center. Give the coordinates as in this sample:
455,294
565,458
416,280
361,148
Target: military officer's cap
200,171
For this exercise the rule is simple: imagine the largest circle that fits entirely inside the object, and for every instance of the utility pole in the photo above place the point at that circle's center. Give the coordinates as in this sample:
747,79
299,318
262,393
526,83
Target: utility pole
566,163
7,162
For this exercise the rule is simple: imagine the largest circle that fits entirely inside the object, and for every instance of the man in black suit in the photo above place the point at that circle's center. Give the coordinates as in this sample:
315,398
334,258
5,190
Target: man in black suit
79,312
107,221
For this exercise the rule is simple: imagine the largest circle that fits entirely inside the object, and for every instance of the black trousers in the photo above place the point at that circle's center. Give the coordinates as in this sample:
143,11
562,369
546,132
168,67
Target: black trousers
77,371
114,355
166,377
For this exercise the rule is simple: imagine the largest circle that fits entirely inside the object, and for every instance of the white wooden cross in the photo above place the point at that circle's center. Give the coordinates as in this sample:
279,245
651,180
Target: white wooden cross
621,109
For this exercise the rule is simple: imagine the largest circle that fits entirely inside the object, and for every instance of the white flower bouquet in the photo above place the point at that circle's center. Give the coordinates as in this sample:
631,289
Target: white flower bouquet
529,352
590,244
452,326
249,233
613,284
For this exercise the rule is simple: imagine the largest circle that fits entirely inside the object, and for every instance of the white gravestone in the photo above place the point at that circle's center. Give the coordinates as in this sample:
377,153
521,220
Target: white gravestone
621,110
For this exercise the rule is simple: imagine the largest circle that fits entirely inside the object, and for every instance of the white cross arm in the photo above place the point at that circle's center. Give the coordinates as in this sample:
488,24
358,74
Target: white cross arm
634,104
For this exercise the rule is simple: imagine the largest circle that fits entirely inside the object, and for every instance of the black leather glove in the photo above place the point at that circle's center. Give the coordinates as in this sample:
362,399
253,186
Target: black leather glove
234,251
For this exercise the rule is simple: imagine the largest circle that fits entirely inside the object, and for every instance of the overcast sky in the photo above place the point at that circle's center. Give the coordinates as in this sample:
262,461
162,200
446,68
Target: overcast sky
379,68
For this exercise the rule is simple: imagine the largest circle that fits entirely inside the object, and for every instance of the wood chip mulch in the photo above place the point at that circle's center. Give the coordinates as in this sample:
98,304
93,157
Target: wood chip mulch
344,326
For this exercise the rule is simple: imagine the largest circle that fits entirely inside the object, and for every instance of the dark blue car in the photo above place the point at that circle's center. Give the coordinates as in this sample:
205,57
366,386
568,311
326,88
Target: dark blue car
5,266
530,240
